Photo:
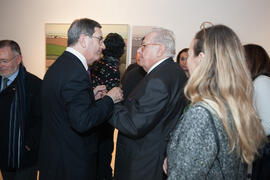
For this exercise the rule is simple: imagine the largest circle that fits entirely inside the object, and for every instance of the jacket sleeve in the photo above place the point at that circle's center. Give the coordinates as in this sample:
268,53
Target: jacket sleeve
140,114
83,112
33,117
195,148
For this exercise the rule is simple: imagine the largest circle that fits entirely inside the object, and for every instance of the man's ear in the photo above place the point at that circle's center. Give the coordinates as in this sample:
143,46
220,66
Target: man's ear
161,50
82,40
19,59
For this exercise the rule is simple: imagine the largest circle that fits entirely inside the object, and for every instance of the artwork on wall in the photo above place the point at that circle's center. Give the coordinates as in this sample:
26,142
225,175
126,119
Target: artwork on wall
138,32
56,40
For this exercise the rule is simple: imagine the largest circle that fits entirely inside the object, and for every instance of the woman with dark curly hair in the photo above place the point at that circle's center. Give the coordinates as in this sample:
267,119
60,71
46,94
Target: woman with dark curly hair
106,72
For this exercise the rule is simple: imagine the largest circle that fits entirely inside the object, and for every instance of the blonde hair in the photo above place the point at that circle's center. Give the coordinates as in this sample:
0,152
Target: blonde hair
223,81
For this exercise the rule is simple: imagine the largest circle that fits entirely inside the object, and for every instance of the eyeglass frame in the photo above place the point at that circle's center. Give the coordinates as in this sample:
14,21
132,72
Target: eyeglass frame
143,45
6,61
100,39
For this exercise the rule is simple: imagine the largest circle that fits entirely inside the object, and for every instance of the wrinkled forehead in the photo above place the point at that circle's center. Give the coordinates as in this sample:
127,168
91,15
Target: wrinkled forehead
6,50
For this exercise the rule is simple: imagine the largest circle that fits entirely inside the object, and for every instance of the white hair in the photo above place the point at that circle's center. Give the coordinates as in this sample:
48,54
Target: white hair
165,37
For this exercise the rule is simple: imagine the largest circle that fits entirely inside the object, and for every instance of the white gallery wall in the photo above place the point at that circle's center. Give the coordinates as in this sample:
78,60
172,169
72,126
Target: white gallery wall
23,20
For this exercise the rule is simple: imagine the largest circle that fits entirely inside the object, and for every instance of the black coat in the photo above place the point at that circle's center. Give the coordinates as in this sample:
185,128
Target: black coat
145,121
131,78
31,125
70,115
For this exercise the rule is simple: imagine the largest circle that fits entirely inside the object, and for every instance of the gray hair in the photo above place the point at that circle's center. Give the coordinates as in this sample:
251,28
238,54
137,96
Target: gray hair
165,37
81,26
14,46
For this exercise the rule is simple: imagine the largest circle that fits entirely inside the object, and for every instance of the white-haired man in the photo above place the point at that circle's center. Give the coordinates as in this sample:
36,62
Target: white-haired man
150,111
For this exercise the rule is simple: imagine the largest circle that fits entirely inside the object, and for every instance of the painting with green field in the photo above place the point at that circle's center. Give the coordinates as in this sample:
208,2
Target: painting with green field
56,40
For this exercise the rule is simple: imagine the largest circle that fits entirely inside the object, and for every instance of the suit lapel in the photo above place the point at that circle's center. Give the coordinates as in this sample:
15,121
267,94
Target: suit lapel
148,77
161,65
76,59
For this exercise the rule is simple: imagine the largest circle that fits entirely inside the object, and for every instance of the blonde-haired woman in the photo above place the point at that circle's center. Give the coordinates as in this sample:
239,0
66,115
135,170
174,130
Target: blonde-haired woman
220,131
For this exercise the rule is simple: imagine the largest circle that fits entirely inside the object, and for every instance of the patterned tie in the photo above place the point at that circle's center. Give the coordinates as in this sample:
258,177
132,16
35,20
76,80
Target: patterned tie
5,80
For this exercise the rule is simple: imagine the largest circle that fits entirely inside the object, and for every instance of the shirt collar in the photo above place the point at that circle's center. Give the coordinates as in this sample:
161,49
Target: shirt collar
78,55
156,64
10,78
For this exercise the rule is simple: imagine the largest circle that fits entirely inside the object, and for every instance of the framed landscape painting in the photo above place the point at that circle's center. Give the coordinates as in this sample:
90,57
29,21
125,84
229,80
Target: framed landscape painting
56,40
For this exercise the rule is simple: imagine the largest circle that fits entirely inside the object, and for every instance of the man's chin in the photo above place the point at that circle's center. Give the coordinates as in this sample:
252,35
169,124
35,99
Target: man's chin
3,74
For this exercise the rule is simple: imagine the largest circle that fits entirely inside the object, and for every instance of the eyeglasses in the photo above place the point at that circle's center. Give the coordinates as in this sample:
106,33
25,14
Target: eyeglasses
6,61
148,44
100,39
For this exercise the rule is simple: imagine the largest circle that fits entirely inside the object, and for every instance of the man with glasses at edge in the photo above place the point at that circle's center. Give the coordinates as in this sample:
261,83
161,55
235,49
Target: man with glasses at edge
70,110
20,115
150,111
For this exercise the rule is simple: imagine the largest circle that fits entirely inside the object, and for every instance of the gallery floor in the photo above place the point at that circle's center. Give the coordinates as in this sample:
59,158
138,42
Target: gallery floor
113,156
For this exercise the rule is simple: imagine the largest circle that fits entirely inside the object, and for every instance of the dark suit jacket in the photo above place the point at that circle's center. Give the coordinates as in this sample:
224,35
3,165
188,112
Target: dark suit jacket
31,125
131,78
70,115
145,121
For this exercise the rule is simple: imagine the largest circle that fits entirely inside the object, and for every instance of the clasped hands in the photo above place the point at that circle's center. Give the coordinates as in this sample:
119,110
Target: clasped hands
115,93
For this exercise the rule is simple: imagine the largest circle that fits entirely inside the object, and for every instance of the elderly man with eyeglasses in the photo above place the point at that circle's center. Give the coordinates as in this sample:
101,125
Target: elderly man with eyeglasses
150,111
20,115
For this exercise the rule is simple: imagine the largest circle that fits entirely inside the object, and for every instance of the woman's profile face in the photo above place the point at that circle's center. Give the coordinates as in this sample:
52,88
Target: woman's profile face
183,60
192,61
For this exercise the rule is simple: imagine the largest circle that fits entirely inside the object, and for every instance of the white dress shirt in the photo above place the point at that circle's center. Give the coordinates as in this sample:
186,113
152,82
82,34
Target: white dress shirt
78,55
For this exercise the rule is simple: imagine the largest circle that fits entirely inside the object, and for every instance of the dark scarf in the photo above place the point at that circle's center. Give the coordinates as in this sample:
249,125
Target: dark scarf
17,119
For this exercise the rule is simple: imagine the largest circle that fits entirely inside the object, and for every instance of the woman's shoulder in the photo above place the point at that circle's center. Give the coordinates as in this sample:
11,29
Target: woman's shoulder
262,83
198,113
198,109
262,79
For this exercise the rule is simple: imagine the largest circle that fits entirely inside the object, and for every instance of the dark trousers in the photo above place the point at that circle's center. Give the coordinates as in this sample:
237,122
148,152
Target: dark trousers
105,149
20,174
261,165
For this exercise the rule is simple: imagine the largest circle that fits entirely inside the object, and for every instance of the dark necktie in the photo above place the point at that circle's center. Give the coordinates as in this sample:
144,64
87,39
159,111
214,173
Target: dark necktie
5,80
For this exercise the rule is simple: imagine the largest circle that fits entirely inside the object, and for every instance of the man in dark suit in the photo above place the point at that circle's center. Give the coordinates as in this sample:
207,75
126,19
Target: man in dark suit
20,115
150,111
71,111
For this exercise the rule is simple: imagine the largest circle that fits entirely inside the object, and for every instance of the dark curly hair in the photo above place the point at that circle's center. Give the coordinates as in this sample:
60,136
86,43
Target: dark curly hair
114,45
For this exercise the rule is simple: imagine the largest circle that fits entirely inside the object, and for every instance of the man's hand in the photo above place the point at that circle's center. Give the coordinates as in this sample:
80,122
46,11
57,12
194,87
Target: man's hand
116,94
100,91
165,166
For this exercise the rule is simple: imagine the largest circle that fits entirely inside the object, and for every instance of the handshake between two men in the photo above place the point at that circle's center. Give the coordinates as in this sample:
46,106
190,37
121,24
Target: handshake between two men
115,93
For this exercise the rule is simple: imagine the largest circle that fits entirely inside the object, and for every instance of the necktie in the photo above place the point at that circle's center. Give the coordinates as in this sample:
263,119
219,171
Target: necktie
89,74
5,80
